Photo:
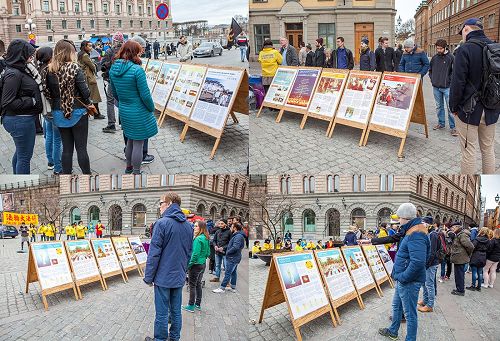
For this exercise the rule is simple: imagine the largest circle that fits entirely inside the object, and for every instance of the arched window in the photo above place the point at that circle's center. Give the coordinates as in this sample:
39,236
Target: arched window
91,184
355,183
223,213
115,218
286,184
243,190
215,183
225,190
235,188
438,193
75,215
336,183
232,213
430,185
213,213
358,217
452,197
456,203
200,210
289,185
329,183
333,222
75,184
97,184
309,221
419,213
305,181
462,204
287,222
283,184
312,184
384,216
72,185
446,196
420,184
139,215
93,215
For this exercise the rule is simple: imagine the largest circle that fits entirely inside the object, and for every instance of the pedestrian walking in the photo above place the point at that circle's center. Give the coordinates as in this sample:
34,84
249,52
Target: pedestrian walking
166,266
23,229
478,259
492,260
385,57
221,242
342,57
90,71
414,59
269,60
156,49
461,250
366,57
319,54
426,305
184,50
242,43
290,57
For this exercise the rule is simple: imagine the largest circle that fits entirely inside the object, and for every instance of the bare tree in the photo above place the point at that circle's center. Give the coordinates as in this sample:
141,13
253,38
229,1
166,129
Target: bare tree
53,210
406,29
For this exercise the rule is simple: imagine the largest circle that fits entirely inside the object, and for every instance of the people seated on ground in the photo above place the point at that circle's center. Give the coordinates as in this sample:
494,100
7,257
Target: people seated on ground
319,245
298,246
288,246
310,245
267,245
278,244
329,244
256,248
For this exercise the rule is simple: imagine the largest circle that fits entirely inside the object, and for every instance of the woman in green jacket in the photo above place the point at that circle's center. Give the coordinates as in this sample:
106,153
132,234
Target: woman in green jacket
196,266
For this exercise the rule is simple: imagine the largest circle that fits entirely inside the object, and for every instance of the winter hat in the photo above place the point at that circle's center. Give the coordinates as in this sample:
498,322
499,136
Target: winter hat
118,37
428,220
407,211
320,41
409,43
365,41
139,40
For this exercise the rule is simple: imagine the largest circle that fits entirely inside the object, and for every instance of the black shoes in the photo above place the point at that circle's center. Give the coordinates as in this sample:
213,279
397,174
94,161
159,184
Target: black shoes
471,288
458,293
99,117
385,332
109,129
147,159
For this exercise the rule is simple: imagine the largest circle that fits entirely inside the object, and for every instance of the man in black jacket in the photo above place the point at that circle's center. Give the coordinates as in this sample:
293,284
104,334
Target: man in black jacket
342,57
385,57
290,56
221,240
319,54
398,53
477,123
440,70
429,288
309,56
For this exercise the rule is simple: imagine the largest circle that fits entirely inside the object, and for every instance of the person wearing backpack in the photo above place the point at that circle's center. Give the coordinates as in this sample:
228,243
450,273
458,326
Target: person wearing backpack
442,235
461,251
477,115
478,259
426,305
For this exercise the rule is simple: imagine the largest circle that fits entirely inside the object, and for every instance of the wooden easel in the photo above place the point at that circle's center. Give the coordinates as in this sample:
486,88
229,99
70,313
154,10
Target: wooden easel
274,105
144,63
142,266
311,114
111,273
385,266
238,104
161,107
417,110
379,281
129,268
341,300
354,124
275,294
33,276
88,280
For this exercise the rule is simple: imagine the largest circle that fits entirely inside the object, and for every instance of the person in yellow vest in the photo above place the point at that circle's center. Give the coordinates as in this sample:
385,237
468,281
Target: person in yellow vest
319,246
49,232
270,59
32,231
68,230
383,233
310,245
298,246
279,243
41,232
256,249
80,230
267,245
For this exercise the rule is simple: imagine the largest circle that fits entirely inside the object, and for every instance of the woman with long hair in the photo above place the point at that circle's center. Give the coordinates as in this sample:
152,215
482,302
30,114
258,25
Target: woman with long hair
135,104
196,266
70,99
492,259
89,70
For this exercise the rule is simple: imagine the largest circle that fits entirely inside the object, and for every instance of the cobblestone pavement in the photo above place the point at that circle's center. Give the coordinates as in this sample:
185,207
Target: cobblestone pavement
283,147
171,156
123,312
472,317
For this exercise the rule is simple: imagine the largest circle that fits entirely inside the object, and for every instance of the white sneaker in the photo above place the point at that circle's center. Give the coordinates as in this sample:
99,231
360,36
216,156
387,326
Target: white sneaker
484,285
231,290
491,286
440,280
218,290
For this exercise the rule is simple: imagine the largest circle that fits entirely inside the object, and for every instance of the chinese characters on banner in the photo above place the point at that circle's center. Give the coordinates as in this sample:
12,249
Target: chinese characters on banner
11,218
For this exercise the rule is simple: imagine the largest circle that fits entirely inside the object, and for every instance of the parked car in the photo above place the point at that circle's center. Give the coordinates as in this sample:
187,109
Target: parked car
208,49
8,231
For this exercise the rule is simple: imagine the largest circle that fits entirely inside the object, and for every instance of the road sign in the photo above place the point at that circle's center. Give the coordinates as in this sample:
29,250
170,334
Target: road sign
162,11
31,36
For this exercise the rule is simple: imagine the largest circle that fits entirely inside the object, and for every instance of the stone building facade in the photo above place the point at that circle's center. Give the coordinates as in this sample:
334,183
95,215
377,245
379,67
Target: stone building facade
306,20
127,203
324,206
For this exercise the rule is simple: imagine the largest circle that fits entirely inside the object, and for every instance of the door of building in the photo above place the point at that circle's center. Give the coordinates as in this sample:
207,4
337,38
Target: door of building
363,30
294,33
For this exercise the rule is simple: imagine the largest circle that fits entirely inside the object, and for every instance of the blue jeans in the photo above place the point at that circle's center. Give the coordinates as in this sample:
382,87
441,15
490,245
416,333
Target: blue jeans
441,96
429,287
405,299
230,275
243,53
443,268
219,259
23,131
477,273
52,144
168,303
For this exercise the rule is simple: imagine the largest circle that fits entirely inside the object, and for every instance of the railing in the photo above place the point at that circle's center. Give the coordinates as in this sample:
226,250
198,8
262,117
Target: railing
41,181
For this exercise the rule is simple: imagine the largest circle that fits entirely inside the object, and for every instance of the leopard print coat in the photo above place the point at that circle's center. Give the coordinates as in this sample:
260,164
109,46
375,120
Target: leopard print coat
66,78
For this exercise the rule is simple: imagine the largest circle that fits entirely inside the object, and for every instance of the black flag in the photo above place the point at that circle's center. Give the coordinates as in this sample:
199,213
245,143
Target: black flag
234,31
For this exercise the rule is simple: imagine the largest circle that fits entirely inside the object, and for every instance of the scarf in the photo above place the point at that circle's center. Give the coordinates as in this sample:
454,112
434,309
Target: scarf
33,72
66,79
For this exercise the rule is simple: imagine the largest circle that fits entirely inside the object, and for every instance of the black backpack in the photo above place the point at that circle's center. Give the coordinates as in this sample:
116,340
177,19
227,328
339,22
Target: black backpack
489,94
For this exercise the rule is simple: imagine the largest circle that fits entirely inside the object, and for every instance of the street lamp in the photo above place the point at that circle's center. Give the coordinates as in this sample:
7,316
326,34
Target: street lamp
125,198
317,203
343,203
30,26
497,199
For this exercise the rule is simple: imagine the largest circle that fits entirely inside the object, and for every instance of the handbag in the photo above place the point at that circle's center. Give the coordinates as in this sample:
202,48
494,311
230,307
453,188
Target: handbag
90,111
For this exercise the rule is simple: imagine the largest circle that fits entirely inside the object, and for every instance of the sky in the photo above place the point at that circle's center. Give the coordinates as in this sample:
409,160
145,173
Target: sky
490,187
216,12
406,8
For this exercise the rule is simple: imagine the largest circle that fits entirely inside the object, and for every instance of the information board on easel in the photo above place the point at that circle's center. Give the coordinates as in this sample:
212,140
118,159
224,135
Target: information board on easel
357,101
326,97
163,88
125,255
337,279
139,251
144,63
83,263
107,260
400,100
376,265
359,269
279,89
152,72
294,278
48,265
219,91
386,260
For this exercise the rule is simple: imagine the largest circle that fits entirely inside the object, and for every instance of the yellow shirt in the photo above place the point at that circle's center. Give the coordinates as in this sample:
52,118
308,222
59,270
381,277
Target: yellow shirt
298,248
49,231
255,249
41,229
383,233
32,231
311,246
270,59
267,246
279,246
80,231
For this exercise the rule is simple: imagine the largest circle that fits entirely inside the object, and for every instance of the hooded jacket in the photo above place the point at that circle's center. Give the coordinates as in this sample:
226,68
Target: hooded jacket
236,244
350,239
440,70
414,62
20,93
129,86
462,247
478,257
170,249
493,253
367,60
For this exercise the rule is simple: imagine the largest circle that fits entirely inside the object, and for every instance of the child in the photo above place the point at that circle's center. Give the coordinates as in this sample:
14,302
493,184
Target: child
256,249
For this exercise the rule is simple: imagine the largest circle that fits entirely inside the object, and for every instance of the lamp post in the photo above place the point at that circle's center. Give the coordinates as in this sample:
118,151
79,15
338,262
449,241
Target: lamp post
30,26
497,199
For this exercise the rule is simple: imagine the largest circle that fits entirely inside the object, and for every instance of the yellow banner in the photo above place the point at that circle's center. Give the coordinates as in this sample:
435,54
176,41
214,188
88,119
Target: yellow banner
10,218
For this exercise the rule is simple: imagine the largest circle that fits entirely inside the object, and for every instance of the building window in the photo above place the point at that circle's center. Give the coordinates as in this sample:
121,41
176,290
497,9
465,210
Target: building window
438,193
235,188
430,184
225,189
131,23
287,222
456,203
149,11
261,33
141,24
286,184
46,6
327,32
74,185
79,24
119,23
18,28
140,10
105,8
243,190
452,197
129,7
137,181
50,38
139,215
420,184
358,218
107,23
91,184
384,216
309,221
92,24
64,24
77,7
62,6
309,184
48,24
150,24
215,183
329,183
491,21
21,202
75,215
16,11
117,8
93,214
446,196
202,181
90,8
96,182
462,204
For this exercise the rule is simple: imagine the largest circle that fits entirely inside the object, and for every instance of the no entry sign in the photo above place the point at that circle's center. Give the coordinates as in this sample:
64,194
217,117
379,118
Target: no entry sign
162,11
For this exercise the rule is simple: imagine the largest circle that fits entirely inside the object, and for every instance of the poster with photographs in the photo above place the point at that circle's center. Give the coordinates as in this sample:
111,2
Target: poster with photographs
82,259
356,262
144,63
52,264
356,100
327,95
392,107
152,72
386,259
7,202
106,255
302,88
335,272
186,89
165,83
280,86
138,249
375,262
217,91
302,283
124,252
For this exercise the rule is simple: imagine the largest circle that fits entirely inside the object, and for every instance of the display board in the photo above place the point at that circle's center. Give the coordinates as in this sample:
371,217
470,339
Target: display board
139,251
125,255
83,263
152,73
399,101
294,278
106,257
386,259
163,88
376,265
357,101
279,89
359,269
326,97
48,265
144,63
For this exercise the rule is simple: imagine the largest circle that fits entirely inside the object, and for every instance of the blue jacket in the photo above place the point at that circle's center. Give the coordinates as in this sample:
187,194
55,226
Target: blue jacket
350,239
473,233
367,61
236,244
129,86
414,62
412,253
170,249
467,75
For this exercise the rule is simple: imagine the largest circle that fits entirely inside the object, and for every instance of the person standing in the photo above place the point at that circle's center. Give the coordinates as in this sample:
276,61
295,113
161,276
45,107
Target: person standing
366,57
269,60
184,50
99,229
49,232
309,56
90,71
478,259
440,71
350,238
302,54
156,49
461,250
128,84
319,54
342,57
328,59
426,305
290,57
148,49
24,235
221,242
166,266
242,43
233,258
385,58
41,232
414,60
32,233
212,229
80,230
21,103
492,260
398,53
196,266
91,231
